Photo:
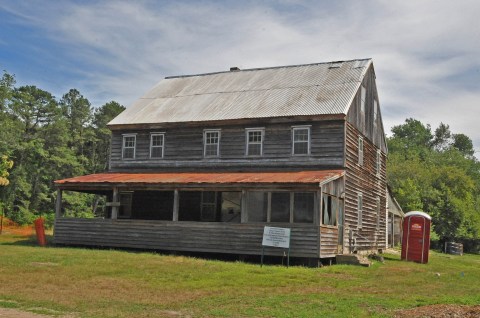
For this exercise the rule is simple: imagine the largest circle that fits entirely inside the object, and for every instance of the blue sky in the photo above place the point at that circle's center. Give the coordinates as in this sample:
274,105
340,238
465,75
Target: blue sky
426,53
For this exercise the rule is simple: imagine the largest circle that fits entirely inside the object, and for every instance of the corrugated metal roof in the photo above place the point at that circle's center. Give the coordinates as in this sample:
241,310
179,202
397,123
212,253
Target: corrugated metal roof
313,89
303,177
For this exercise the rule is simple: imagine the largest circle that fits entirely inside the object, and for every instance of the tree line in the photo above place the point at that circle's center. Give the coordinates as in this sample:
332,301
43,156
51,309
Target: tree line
43,139
436,172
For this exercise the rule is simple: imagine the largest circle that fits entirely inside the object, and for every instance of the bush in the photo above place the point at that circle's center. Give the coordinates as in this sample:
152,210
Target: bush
21,216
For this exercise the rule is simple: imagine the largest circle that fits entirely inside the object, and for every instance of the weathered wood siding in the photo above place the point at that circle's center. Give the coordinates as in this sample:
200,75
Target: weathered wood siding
184,148
182,236
373,131
328,241
364,179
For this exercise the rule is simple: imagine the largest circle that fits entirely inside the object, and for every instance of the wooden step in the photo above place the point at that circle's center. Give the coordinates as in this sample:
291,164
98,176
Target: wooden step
352,259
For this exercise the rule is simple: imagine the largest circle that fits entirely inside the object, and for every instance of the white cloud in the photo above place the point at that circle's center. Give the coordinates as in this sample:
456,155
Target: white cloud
421,49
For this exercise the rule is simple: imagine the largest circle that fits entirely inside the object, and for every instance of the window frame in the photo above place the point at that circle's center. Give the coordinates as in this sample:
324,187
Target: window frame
152,146
297,128
361,146
205,144
124,137
291,213
377,210
363,98
359,210
332,208
125,211
378,164
248,143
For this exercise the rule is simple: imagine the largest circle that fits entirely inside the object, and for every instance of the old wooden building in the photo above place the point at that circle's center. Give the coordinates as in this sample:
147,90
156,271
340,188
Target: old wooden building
204,162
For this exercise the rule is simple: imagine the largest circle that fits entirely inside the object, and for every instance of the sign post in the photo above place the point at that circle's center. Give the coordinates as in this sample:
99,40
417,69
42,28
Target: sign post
276,237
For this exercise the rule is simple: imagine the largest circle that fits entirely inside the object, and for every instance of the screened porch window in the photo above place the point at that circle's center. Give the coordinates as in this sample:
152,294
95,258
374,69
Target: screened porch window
257,206
280,207
329,208
303,207
210,206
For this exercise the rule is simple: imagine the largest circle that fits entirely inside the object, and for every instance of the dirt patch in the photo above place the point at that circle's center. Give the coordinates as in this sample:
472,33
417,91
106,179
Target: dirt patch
15,313
440,311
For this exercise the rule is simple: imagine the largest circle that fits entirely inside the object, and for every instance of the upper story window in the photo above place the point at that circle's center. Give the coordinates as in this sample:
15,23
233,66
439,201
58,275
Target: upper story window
360,151
128,146
211,143
254,141
360,209
157,141
363,97
378,166
377,211
301,140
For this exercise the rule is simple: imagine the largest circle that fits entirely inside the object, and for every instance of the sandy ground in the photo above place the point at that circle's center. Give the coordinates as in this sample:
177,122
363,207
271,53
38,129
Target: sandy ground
15,313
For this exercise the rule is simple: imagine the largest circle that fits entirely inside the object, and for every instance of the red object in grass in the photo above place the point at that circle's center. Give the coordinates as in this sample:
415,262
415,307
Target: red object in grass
416,237
40,229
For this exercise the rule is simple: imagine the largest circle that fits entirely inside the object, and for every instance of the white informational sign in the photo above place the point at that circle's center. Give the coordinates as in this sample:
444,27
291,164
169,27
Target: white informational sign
276,237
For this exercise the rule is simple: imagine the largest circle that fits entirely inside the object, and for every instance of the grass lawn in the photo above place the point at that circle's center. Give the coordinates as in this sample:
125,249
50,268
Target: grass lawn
106,283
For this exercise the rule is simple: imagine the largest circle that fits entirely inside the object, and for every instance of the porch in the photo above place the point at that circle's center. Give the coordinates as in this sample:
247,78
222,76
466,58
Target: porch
211,216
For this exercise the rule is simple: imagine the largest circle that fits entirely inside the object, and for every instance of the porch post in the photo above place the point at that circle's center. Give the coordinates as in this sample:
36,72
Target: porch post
115,199
269,207
175,205
291,206
317,207
58,204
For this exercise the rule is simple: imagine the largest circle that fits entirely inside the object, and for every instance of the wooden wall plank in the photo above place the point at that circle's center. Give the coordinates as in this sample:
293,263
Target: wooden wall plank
181,236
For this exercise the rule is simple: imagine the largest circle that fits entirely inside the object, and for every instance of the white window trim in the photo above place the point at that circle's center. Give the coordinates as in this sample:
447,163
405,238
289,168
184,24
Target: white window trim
308,127
363,98
134,146
377,210
359,210
247,143
378,162
361,147
162,146
205,131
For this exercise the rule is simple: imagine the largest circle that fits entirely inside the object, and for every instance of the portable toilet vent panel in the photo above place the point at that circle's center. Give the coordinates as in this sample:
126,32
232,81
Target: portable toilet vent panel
416,237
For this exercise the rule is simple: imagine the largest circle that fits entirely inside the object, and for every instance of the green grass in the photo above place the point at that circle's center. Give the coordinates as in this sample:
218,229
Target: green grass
108,283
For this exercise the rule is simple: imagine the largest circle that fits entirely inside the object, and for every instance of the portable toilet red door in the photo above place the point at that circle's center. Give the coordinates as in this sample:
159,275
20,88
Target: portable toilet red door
416,237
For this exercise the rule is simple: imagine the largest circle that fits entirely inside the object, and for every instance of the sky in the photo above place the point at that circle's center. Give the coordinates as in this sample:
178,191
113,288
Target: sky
426,53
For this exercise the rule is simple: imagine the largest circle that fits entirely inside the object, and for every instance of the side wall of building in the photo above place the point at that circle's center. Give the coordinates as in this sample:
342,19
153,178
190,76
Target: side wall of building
365,180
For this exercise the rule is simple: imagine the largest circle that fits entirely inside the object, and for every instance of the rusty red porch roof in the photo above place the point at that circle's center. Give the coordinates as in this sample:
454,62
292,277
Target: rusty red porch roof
191,178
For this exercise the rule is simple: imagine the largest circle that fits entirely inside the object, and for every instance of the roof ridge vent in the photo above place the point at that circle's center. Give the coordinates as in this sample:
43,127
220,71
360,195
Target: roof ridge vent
234,69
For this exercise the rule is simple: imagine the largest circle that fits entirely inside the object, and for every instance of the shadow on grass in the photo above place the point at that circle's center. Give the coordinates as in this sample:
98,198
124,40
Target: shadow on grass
394,258
20,240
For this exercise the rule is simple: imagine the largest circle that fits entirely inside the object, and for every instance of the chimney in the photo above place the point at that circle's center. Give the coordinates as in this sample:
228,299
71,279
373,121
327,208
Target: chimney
234,69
